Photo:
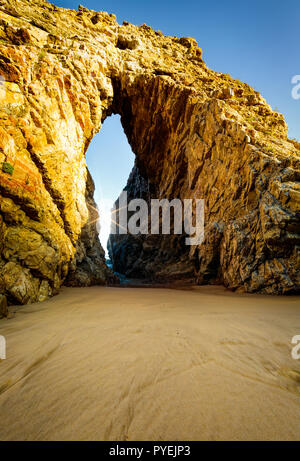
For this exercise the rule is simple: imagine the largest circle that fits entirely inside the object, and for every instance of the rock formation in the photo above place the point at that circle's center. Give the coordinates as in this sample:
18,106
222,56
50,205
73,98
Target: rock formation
3,306
195,133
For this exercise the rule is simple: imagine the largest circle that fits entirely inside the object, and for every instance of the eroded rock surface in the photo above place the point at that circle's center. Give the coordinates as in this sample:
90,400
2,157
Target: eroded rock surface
195,133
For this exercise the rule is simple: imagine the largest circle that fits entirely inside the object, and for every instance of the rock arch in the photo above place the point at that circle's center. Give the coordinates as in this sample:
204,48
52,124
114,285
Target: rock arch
195,132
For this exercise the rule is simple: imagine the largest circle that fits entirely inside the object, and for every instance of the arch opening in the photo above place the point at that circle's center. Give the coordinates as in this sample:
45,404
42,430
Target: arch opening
110,160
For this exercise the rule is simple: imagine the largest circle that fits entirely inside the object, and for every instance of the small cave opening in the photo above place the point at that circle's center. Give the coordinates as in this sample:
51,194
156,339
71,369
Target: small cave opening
110,161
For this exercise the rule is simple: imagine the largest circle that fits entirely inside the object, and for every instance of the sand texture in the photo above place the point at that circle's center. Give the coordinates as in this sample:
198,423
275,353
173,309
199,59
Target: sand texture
151,364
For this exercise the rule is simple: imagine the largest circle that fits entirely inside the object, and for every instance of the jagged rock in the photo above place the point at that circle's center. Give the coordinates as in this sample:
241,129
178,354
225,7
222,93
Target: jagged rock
196,133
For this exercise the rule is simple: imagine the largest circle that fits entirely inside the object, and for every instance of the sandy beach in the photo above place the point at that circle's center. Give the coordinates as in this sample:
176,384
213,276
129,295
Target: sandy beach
151,364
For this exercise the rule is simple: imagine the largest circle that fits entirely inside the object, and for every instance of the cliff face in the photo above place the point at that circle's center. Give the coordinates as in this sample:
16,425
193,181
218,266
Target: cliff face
196,134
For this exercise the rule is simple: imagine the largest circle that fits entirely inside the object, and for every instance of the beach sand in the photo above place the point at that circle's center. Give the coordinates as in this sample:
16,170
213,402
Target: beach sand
151,364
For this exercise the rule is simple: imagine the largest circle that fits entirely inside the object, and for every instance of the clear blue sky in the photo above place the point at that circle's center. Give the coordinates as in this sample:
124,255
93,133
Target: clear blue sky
254,41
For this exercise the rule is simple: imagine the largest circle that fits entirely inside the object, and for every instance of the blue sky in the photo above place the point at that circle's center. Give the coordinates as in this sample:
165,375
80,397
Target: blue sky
254,41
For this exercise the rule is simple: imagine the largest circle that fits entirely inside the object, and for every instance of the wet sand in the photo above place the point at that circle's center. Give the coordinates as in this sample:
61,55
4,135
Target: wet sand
151,364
